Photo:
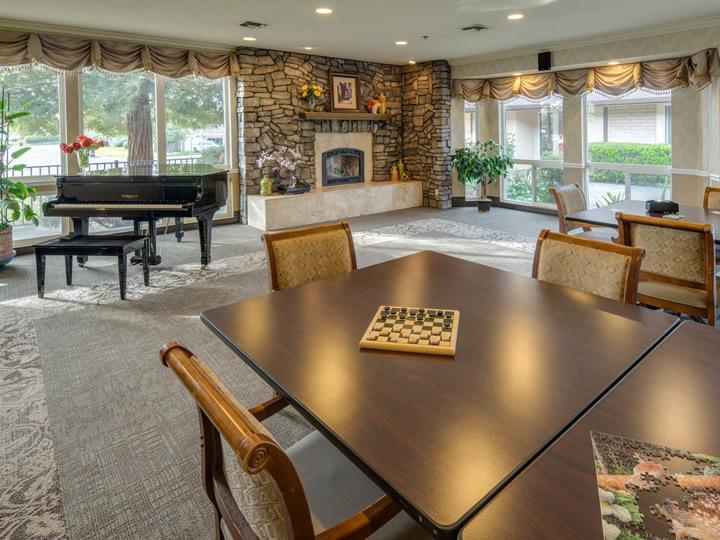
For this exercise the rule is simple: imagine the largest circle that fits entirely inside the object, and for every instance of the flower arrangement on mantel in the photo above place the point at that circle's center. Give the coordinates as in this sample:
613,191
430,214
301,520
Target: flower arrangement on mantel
281,163
311,93
82,146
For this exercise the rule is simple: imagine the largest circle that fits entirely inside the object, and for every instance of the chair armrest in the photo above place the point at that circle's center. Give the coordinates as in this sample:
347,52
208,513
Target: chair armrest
364,523
266,409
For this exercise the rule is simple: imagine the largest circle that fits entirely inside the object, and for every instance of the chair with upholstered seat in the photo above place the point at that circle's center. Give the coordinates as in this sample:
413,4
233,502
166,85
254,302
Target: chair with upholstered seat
307,254
570,199
600,268
711,201
259,491
678,271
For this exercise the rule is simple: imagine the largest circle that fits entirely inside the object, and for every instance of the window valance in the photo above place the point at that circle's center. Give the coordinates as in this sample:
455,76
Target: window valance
696,70
72,54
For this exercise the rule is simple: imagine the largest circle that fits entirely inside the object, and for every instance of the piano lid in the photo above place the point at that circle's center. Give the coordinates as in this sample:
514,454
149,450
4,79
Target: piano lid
147,170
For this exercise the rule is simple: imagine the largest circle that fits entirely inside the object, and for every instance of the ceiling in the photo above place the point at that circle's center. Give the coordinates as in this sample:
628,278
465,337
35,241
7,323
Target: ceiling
367,29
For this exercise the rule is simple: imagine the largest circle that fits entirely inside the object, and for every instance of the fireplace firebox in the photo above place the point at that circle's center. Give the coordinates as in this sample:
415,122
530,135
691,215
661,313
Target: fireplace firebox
343,166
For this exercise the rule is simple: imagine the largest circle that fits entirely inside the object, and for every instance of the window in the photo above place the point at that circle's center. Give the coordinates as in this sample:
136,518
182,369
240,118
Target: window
471,137
629,149
534,130
36,90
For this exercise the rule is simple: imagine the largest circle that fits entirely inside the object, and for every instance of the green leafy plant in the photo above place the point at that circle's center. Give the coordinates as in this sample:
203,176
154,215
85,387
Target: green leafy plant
611,197
482,163
16,198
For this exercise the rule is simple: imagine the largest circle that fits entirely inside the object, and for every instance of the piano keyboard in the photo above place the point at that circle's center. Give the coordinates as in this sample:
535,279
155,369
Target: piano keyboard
119,206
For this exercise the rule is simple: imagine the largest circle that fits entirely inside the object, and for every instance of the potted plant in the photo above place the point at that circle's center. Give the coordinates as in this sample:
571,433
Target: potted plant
482,163
15,197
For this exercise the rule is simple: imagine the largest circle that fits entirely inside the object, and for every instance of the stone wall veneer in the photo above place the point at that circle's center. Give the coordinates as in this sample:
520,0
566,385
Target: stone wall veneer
268,106
426,129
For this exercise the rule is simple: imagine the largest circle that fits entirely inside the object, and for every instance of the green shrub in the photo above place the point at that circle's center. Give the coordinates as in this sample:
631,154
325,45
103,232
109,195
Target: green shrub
42,139
213,156
637,153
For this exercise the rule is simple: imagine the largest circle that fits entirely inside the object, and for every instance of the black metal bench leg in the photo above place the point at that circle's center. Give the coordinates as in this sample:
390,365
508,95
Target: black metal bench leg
122,271
146,263
68,269
40,270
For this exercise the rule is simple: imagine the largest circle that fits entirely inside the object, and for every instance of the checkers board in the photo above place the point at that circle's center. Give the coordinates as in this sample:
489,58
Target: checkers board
412,329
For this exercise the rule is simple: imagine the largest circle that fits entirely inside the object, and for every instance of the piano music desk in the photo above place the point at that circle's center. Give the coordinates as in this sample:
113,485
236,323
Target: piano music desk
97,245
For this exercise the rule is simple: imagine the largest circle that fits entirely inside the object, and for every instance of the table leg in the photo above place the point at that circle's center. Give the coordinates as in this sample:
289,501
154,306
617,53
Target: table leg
40,271
122,271
179,229
68,269
146,264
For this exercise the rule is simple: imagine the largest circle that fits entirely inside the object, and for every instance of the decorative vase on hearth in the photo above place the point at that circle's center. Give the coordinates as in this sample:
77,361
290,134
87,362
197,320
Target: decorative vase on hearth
7,253
266,185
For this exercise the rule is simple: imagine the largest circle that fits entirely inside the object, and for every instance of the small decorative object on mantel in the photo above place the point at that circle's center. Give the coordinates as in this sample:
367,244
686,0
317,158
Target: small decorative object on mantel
282,163
482,163
83,146
394,176
344,92
311,93
378,105
15,197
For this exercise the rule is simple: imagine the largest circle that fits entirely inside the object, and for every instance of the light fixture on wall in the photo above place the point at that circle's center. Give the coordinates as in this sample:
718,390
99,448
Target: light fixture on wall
515,16
323,11
249,38
401,43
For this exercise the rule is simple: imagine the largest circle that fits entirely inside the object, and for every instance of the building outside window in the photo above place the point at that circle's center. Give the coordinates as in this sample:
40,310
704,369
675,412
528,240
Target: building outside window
36,91
534,130
629,147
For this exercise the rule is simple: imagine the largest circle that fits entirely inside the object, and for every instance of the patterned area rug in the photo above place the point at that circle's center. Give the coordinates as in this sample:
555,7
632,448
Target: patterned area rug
97,438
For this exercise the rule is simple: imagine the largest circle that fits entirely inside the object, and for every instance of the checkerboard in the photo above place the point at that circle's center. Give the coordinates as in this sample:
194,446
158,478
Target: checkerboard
413,329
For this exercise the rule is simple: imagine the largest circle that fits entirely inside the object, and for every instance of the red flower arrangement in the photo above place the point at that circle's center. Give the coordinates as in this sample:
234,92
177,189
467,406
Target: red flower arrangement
83,145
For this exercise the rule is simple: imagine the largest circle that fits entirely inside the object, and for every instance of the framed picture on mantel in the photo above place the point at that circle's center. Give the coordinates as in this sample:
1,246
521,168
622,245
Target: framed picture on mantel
344,92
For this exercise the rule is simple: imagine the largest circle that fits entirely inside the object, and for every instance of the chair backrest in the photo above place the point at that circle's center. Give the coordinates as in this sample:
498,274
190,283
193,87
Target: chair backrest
302,255
596,267
711,200
569,199
677,252
248,478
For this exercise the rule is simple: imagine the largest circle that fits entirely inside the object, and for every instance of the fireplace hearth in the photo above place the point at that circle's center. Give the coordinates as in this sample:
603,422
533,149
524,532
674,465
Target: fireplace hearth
343,166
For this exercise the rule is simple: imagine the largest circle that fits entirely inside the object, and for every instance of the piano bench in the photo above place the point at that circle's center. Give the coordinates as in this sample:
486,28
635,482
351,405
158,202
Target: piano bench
96,245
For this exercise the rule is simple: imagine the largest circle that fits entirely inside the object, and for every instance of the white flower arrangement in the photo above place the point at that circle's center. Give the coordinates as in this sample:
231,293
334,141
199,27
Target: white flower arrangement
281,162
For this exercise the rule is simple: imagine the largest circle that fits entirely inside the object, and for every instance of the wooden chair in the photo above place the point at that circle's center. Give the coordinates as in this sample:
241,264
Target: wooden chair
600,268
678,272
302,255
259,491
570,199
711,201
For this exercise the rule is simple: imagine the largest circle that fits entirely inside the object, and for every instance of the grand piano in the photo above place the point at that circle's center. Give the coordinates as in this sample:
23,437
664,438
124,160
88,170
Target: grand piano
144,198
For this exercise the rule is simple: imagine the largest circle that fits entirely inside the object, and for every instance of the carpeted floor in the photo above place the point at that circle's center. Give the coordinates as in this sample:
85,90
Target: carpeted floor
97,438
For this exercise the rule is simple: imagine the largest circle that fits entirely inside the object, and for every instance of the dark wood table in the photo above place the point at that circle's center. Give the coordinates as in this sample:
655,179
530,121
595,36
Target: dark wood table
440,434
605,216
671,399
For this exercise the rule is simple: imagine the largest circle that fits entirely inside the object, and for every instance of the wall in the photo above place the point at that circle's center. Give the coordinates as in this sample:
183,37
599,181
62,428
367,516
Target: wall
268,108
426,129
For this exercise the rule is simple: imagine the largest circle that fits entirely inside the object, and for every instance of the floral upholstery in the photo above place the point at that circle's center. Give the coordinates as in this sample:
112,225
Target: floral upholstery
714,199
317,255
670,252
572,198
596,271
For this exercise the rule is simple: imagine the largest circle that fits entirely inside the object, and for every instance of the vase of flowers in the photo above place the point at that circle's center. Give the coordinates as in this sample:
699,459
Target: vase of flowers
83,147
310,93
281,163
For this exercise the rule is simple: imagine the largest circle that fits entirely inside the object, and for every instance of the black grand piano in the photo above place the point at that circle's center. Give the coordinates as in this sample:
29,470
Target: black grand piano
143,198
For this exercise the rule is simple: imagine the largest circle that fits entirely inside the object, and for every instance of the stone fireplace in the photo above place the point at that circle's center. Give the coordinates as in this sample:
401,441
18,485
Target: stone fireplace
343,166
343,158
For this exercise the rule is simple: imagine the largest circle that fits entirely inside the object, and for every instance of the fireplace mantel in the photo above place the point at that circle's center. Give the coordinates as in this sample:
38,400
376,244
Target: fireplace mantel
320,116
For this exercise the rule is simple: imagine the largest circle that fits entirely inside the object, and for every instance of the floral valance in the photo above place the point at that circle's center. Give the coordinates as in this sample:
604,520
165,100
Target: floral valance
659,75
72,54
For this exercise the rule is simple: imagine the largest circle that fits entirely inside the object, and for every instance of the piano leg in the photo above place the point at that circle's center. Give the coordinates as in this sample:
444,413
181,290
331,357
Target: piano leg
153,258
136,231
81,227
179,229
205,230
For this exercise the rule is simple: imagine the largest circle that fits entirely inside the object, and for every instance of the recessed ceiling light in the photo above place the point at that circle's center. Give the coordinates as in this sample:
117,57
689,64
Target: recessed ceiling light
411,62
323,11
517,74
401,43
613,63
308,48
249,38
515,16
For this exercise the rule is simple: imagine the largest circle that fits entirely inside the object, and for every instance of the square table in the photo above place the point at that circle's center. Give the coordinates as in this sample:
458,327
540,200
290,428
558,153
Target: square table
605,215
440,434
670,399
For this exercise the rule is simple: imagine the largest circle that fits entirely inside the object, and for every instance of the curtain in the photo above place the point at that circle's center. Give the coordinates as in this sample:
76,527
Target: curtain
72,54
697,70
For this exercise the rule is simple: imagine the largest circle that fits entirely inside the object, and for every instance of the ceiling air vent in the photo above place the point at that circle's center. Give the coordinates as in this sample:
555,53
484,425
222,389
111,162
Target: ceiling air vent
253,24
475,28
